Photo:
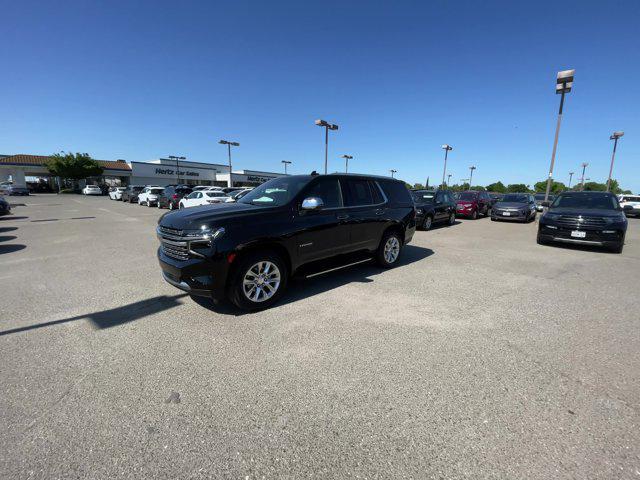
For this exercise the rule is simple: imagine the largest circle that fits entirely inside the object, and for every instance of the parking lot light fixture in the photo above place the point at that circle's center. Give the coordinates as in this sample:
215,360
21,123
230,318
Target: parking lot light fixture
393,172
564,83
177,160
447,149
327,126
346,162
584,167
448,178
229,145
286,162
614,137
570,177
471,169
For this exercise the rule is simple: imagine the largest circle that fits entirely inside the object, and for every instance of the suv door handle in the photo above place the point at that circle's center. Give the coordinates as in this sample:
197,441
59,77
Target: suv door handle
342,217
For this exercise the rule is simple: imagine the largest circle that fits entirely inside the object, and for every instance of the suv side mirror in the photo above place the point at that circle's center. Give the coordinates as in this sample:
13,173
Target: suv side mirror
312,203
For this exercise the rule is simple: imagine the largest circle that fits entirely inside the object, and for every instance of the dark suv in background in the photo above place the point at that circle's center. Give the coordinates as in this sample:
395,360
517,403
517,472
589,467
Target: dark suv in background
171,196
246,251
584,218
434,206
131,193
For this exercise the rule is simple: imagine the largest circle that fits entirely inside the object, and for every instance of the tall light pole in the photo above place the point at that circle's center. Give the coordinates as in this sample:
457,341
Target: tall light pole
392,172
229,144
570,177
327,126
564,82
177,160
448,179
584,167
346,162
447,149
471,168
614,137
286,162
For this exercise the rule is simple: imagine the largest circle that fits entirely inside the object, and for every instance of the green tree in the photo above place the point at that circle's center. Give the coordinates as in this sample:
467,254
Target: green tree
479,188
73,166
497,187
594,187
418,186
517,188
556,187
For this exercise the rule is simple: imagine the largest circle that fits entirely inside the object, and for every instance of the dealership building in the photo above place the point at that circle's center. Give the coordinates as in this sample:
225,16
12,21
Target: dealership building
19,169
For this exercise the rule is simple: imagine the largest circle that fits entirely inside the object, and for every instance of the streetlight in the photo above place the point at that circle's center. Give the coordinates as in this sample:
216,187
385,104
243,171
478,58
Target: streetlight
570,177
328,126
471,168
177,159
392,172
614,137
584,166
564,82
449,179
346,162
447,149
229,145
286,162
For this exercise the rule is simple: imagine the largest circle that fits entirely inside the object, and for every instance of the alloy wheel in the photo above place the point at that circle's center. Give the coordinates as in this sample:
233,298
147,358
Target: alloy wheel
391,249
261,281
427,223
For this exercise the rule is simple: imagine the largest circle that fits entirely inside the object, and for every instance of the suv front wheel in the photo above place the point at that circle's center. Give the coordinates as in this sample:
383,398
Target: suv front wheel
259,281
389,249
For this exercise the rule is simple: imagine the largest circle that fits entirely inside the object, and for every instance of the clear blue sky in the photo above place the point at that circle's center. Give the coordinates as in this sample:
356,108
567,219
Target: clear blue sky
138,80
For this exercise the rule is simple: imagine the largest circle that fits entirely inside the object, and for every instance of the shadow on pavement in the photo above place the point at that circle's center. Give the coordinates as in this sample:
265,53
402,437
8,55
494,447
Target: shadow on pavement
7,229
11,217
301,286
11,248
114,316
6,238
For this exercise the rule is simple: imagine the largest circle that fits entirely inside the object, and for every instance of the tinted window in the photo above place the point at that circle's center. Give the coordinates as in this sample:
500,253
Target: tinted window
276,192
516,198
357,193
586,200
467,196
439,197
183,191
377,194
423,196
328,189
396,192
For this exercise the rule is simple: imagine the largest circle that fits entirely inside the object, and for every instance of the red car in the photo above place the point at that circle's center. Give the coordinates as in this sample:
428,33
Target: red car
472,203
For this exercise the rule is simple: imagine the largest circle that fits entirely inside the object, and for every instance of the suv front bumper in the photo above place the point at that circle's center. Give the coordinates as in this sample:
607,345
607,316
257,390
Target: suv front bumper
201,277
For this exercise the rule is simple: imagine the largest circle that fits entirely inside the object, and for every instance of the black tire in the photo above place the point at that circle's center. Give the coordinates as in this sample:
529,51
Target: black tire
452,219
148,203
488,212
170,205
540,240
493,219
236,285
427,223
474,215
618,248
381,258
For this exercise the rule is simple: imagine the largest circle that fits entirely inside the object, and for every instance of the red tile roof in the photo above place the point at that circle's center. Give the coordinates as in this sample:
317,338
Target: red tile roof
40,160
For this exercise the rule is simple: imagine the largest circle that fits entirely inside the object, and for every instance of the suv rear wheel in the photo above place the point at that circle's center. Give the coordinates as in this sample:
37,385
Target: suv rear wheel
389,249
259,281
427,222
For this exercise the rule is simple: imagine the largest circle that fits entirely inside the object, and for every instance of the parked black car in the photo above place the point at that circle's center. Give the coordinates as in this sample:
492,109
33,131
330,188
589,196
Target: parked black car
5,208
520,207
540,198
584,218
247,251
171,196
131,193
434,206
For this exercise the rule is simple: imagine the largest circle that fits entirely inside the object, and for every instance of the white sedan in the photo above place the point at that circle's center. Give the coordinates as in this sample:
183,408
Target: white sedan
202,198
91,190
149,196
115,193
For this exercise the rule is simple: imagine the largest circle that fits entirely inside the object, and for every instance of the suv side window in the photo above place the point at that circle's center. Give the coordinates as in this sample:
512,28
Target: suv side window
377,194
358,192
328,189
439,197
396,192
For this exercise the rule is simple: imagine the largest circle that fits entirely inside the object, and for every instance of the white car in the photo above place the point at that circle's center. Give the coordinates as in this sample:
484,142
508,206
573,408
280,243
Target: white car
91,190
202,198
149,196
115,193
630,204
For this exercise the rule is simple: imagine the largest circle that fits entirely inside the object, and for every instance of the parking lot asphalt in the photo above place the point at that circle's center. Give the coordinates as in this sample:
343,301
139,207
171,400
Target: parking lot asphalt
483,355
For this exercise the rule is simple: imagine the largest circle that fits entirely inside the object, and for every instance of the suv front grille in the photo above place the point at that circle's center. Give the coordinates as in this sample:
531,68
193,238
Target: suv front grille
170,231
173,249
573,221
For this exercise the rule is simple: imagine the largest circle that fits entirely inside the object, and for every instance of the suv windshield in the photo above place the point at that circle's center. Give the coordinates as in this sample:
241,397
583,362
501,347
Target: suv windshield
276,192
467,196
586,200
423,196
515,198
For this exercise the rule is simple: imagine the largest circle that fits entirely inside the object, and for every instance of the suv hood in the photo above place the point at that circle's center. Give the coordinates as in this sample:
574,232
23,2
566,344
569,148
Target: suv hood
596,212
193,218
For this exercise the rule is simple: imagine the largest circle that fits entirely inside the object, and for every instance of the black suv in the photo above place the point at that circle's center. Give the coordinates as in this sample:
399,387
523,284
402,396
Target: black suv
171,196
247,251
131,193
434,206
584,218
